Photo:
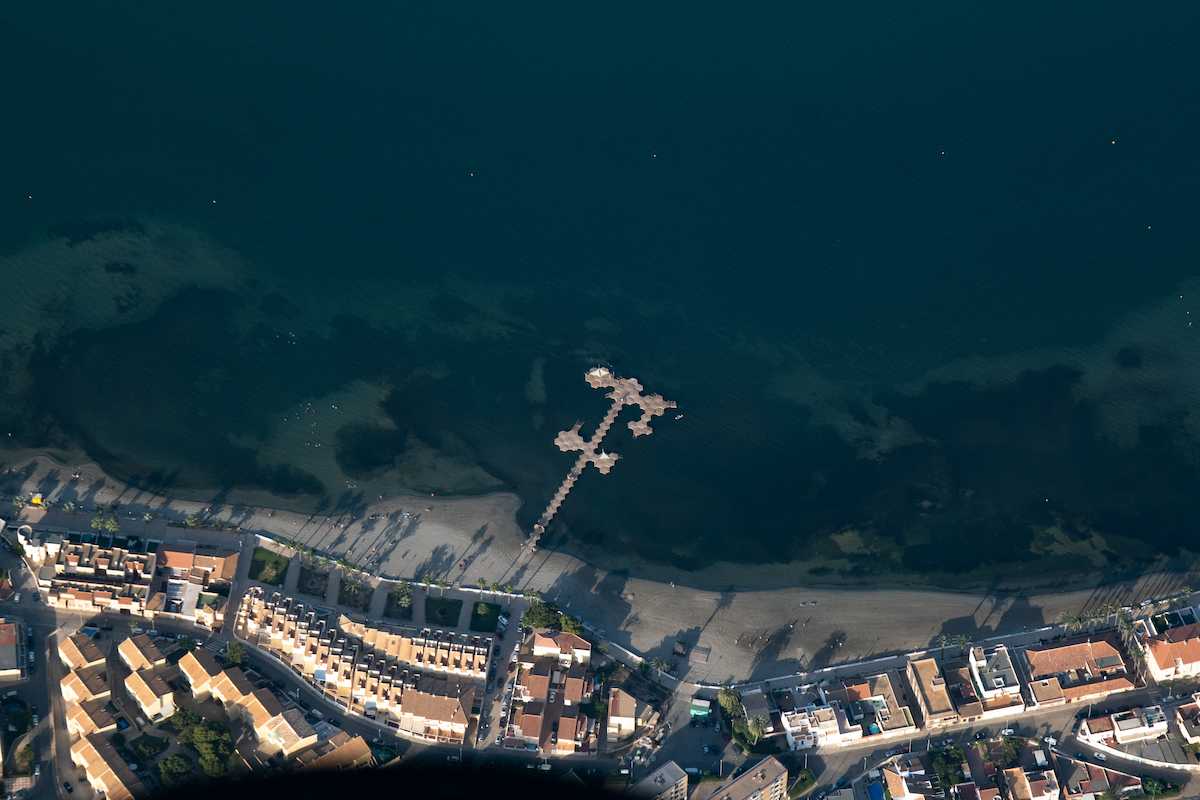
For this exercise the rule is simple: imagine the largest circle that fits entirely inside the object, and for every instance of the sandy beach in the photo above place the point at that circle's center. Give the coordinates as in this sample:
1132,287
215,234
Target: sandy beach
734,634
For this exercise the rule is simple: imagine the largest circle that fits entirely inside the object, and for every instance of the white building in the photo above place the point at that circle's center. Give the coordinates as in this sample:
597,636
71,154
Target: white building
1174,653
818,726
1124,727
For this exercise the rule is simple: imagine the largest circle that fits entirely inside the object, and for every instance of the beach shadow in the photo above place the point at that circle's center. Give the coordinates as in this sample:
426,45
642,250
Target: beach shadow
94,488
474,551
769,660
828,651
437,565
668,650
49,482
1021,615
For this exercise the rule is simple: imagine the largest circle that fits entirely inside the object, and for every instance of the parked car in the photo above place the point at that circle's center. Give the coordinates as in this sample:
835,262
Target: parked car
979,737
1101,757
67,785
1007,732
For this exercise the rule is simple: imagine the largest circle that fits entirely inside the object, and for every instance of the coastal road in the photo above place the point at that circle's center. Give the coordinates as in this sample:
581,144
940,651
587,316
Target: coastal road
469,540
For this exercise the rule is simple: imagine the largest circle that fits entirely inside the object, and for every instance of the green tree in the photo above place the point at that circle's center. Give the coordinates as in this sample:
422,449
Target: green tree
174,769
147,747
214,746
23,760
1153,787
755,728
730,702
804,779
570,624
542,615
235,652
404,598
105,522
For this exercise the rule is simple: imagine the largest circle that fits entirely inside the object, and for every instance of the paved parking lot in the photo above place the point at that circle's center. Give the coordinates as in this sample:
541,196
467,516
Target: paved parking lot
1169,750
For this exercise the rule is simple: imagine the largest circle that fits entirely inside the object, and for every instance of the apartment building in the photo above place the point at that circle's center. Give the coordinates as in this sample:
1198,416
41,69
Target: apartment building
88,683
277,730
929,688
88,598
83,561
1081,780
1080,669
995,678
551,683
190,580
140,652
150,691
204,563
431,702
1187,716
906,785
1174,653
10,656
105,770
824,725
433,650
757,704
340,751
88,717
1032,785
766,780
668,782
622,714
79,651
1132,725
567,647
874,703
91,578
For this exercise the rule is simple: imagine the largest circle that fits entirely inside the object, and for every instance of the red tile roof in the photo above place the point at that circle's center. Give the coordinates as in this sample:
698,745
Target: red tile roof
1178,643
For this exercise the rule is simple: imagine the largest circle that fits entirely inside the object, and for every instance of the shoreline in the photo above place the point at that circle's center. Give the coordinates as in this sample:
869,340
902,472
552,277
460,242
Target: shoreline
718,576
742,634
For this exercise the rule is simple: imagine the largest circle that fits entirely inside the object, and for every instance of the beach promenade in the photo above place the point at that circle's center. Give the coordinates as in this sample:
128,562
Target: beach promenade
731,635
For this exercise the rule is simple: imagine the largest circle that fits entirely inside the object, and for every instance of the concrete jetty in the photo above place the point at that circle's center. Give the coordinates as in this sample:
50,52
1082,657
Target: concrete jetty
622,392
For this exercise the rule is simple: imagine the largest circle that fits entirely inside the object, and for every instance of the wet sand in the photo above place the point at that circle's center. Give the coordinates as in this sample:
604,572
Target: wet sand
736,634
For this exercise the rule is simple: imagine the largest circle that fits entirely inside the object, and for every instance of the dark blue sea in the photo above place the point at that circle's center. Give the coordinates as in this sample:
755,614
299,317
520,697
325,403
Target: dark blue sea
920,278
